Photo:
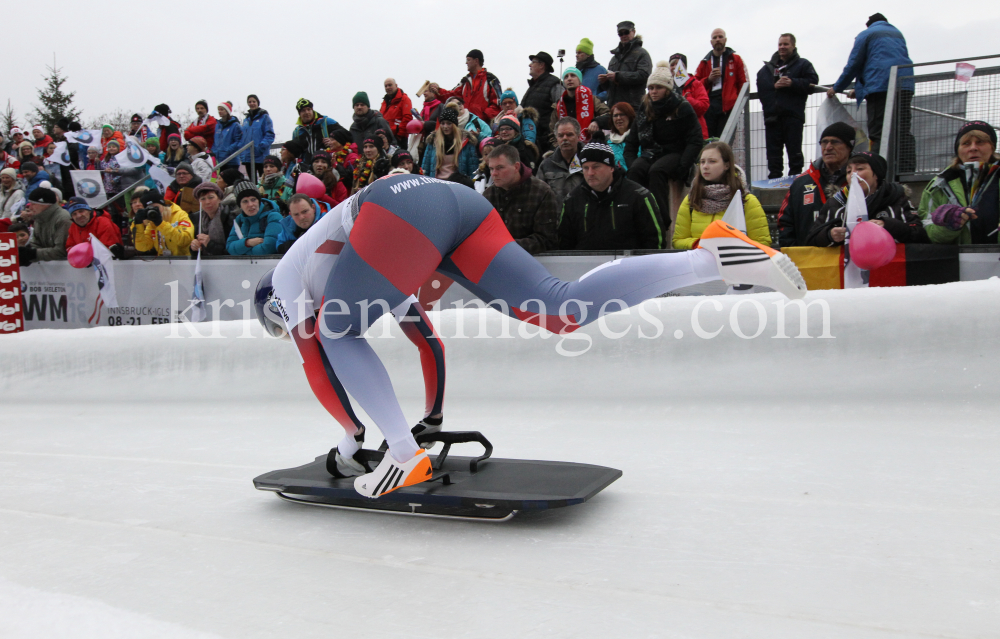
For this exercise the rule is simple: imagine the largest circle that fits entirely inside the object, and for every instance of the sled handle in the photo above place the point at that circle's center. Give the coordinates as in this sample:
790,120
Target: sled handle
458,437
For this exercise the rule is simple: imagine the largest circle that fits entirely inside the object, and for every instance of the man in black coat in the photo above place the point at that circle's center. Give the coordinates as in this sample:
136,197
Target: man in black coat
609,211
543,92
628,70
784,84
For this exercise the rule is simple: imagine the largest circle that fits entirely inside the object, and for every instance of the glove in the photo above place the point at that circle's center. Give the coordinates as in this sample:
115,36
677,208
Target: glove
26,254
156,217
118,251
948,216
140,217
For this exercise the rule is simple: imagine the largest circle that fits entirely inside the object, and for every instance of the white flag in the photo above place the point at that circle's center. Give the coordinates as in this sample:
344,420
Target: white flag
161,177
855,212
964,71
736,216
105,273
87,137
134,154
734,213
60,155
198,313
680,74
155,121
89,186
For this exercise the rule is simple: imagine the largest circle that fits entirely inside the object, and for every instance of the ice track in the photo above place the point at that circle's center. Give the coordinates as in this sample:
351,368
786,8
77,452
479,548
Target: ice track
773,488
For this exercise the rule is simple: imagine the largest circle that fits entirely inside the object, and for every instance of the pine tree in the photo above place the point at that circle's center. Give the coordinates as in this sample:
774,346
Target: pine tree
8,120
56,103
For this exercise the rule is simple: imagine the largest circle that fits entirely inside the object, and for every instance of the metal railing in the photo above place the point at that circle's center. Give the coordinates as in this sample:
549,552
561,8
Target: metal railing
920,126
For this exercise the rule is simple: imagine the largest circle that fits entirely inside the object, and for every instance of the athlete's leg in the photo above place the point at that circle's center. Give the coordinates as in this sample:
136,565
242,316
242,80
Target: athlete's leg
494,267
326,386
418,329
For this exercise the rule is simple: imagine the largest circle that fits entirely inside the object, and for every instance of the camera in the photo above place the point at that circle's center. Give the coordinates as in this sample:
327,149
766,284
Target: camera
561,53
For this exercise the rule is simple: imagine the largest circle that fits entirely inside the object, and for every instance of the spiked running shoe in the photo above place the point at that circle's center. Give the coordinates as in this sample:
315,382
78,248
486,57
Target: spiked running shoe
390,475
743,261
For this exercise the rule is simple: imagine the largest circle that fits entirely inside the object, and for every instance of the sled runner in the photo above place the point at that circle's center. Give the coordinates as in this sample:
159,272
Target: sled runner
476,488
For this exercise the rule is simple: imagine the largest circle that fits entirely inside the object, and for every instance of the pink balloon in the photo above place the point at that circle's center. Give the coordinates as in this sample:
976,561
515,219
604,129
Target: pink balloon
310,185
871,246
81,255
414,126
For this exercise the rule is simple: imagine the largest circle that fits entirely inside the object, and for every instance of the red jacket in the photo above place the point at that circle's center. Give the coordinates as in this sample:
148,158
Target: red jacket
478,93
397,113
100,225
734,76
8,161
41,144
117,136
206,131
697,96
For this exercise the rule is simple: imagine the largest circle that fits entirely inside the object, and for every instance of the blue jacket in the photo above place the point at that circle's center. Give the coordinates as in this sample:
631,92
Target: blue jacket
228,138
289,228
260,129
40,177
266,224
468,159
876,50
590,81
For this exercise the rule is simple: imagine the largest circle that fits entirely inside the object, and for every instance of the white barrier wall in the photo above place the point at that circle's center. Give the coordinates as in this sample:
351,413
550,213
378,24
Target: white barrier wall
56,295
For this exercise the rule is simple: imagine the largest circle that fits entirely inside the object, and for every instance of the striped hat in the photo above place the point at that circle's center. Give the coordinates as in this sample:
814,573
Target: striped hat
597,152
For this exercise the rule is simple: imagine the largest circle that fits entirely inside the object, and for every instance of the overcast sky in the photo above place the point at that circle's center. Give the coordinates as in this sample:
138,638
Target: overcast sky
135,55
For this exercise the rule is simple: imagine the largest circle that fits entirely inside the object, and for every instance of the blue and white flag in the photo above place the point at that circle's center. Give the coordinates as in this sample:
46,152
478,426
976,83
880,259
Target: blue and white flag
89,186
87,137
60,155
159,175
134,155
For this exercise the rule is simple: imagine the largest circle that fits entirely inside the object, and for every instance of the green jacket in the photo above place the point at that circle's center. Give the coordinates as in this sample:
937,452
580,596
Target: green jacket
51,228
942,190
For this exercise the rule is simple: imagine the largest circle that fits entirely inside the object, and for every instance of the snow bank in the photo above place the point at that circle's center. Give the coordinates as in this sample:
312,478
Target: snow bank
922,342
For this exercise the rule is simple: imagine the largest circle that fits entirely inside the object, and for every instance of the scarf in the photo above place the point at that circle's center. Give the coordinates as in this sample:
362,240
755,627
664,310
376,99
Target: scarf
715,198
363,172
985,174
584,111
463,119
617,138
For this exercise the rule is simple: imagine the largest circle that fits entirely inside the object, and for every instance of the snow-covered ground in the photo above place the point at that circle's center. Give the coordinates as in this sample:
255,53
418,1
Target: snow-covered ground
776,488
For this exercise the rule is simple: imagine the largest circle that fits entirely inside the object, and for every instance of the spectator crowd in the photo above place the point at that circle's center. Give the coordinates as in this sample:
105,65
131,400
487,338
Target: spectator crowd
622,156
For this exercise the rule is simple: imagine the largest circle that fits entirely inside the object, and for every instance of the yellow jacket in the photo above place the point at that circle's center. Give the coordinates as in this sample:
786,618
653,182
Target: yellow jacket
691,224
171,237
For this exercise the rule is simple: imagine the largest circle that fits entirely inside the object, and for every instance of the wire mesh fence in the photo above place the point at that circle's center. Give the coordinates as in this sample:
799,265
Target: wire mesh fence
922,137
940,104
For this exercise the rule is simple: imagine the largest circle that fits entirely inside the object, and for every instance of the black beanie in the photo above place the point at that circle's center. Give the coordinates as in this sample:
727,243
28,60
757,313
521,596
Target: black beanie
477,54
245,189
842,131
976,125
231,176
598,152
42,195
680,56
448,115
293,147
342,136
399,156
152,196
874,160
875,17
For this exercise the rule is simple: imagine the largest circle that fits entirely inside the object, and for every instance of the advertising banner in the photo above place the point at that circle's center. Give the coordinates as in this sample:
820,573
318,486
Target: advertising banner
11,308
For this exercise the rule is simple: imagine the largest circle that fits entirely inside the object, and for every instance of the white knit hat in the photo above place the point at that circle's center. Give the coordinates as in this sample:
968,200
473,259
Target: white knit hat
661,76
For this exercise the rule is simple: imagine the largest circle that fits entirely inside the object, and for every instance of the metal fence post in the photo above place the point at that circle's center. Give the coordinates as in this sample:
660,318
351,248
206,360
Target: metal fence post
885,147
746,142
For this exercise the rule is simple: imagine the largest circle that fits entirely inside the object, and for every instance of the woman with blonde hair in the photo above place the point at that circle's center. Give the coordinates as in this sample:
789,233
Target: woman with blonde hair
717,181
451,152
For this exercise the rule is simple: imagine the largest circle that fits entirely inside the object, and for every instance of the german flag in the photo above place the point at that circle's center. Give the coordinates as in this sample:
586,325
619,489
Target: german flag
913,265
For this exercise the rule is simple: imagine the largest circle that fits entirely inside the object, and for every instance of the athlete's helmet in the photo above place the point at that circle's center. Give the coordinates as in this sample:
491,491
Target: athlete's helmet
266,306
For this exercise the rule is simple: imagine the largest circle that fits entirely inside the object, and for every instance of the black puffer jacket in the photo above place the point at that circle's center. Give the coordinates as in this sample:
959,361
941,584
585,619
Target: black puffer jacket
673,129
626,216
542,94
889,203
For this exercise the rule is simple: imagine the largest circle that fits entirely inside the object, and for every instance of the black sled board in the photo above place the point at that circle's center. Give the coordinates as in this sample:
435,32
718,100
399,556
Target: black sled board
496,489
